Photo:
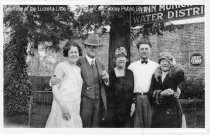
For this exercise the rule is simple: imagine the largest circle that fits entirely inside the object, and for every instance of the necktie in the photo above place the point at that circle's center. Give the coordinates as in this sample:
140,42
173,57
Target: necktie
92,63
144,61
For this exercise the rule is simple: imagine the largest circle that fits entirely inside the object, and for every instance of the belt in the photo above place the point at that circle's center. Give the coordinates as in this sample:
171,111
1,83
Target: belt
141,93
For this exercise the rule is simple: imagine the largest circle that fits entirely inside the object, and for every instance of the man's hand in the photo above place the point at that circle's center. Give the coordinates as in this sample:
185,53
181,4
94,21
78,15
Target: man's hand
54,81
177,93
105,77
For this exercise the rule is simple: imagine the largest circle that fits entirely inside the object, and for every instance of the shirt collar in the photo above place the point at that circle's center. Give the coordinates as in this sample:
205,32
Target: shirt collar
90,59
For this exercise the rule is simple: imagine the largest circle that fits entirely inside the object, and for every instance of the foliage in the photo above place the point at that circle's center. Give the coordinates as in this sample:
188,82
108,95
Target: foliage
151,29
193,88
99,15
40,83
33,27
16,84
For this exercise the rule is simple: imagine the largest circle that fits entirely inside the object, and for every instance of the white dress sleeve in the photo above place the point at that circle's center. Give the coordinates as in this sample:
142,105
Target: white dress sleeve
59,73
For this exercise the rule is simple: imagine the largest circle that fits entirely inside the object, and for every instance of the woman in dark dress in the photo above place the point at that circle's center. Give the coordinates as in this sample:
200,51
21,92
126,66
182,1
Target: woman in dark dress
120,94
163,93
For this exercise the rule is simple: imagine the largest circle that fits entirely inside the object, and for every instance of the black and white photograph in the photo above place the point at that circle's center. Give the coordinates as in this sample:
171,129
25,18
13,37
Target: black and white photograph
140,67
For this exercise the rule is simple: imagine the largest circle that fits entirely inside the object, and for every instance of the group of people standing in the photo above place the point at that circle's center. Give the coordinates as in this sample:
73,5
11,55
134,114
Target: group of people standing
144,94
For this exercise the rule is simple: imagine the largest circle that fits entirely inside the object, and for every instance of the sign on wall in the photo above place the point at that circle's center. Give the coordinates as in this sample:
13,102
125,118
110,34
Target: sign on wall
196,60
157,13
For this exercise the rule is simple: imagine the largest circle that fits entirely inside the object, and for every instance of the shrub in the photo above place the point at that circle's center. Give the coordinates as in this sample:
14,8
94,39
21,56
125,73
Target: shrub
16,84
193,88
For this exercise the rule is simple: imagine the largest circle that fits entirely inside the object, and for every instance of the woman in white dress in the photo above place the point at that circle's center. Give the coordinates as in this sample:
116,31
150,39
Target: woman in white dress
65,111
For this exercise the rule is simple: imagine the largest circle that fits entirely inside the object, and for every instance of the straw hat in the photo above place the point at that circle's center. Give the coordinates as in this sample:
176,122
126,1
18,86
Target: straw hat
93,40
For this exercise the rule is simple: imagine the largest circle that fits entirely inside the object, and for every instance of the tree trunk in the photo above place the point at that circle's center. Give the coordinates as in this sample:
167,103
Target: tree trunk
119,37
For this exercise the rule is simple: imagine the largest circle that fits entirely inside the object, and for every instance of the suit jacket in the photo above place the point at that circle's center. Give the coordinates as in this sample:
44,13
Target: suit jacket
85,68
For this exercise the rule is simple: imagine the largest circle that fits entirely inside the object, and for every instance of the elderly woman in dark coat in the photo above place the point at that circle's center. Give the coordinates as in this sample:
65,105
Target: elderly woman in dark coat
163,93
120,94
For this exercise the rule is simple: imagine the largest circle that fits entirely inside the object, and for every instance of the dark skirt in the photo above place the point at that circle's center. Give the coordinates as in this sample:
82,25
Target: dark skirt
168,116
117,119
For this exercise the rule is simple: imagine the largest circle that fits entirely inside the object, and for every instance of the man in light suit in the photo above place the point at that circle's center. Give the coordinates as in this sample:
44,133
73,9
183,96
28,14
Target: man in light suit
93,108
93,99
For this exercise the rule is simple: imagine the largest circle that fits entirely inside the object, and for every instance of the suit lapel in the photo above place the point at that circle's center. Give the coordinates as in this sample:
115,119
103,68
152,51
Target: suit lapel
85,69
87,64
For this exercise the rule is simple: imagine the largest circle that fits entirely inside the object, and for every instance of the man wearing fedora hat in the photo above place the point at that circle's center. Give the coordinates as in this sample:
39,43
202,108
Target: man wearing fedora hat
93,108
93,99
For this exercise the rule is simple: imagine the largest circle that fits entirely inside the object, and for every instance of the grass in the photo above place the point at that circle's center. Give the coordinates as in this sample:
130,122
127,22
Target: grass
40,115
193,110
16,121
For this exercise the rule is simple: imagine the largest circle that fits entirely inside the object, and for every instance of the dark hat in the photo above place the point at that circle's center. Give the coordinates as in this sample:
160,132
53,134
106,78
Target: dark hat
120,50
167,56
92,40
